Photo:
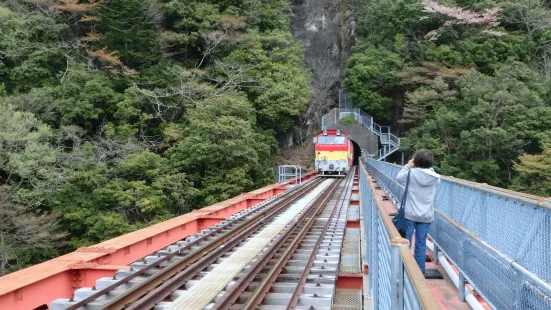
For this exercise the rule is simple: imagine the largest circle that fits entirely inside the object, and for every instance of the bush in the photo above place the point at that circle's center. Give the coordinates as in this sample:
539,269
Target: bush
348,120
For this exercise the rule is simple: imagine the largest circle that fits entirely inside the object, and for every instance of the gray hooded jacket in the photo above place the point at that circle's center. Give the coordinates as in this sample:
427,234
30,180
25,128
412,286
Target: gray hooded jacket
421,192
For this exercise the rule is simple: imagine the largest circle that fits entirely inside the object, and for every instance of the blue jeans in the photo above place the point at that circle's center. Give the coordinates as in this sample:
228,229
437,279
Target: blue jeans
421,232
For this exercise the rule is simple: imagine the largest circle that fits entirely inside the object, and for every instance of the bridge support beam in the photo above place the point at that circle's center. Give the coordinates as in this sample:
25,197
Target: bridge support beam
39,285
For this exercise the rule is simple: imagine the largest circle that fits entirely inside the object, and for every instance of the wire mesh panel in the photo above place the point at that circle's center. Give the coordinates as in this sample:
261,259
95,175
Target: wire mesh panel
347,299
384,266
500,241
411,301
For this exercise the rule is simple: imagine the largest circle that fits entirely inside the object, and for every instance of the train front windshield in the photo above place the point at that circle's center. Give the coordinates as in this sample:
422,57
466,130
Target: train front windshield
331,140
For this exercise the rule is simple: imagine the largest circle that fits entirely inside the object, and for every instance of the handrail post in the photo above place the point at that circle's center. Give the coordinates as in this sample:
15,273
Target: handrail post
397,273
461,287
436,253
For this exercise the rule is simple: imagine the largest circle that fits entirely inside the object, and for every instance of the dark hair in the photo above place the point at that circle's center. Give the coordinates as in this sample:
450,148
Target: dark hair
423,158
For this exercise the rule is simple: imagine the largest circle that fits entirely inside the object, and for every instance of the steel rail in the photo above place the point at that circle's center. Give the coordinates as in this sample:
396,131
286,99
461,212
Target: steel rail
157,279
302,280
263,289
151,266
231,296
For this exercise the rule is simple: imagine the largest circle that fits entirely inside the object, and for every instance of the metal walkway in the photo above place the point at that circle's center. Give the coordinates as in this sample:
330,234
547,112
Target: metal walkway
498,241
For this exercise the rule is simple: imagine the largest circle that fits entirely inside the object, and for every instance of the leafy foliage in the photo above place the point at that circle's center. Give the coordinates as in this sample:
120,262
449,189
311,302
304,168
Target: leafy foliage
127,29
221,151
25,236
534,175
348,120
467,79
371,76
121,113
271,59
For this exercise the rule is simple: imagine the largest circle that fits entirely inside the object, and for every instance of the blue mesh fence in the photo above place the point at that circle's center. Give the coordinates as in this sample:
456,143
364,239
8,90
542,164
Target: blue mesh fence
384,274
379,251
411,301
508,261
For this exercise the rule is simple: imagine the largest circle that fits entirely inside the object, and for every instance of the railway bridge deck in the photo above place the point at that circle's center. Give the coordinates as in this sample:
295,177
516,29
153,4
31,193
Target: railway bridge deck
320,244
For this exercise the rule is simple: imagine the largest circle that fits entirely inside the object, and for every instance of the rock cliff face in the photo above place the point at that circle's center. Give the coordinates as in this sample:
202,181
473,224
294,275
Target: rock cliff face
327,29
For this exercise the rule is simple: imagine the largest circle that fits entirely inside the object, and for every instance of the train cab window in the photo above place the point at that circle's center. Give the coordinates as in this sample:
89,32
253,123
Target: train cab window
331,140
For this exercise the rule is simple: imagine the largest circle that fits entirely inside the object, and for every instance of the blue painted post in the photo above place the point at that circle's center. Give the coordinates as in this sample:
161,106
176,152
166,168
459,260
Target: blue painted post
461,287
397,274
436,253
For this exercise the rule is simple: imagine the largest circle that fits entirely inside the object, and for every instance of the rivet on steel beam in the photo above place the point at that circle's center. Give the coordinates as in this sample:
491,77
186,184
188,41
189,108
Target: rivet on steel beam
312,308
315,295
318,284
326,254
321,276
322,267
325,260
94,288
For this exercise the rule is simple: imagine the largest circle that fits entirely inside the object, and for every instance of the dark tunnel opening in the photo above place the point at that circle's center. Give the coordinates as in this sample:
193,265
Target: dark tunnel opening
357,153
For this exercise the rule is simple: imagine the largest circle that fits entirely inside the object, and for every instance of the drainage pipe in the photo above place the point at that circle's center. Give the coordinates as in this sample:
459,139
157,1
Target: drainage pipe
469,297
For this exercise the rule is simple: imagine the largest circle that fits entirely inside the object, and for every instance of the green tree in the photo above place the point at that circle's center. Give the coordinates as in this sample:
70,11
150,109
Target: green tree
221,151
479,129
128,29
84,98
273,77
34,50
101,201
26,237
534,173
371,79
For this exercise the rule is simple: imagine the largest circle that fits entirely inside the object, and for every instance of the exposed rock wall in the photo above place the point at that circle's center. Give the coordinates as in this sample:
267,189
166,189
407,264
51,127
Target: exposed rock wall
327,29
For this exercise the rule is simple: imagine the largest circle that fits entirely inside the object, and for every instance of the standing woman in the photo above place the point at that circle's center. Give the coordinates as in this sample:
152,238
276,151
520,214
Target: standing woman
420,200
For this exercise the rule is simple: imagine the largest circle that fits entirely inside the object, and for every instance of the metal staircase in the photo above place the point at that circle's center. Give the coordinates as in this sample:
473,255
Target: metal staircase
390,142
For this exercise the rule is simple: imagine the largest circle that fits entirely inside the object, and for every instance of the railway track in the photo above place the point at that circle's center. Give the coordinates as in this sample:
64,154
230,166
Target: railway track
220,267
302,273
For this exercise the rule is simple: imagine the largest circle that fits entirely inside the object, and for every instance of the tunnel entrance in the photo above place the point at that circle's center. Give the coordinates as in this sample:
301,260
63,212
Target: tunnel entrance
357,153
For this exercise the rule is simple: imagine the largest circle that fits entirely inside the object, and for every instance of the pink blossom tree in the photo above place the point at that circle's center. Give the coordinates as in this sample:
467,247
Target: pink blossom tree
461,16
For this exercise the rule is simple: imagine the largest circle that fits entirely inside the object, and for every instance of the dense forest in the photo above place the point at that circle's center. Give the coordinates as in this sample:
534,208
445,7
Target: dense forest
117,114
468,79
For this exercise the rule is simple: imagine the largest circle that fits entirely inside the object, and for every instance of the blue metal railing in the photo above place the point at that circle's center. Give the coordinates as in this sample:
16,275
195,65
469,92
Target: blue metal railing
499,240
396,280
